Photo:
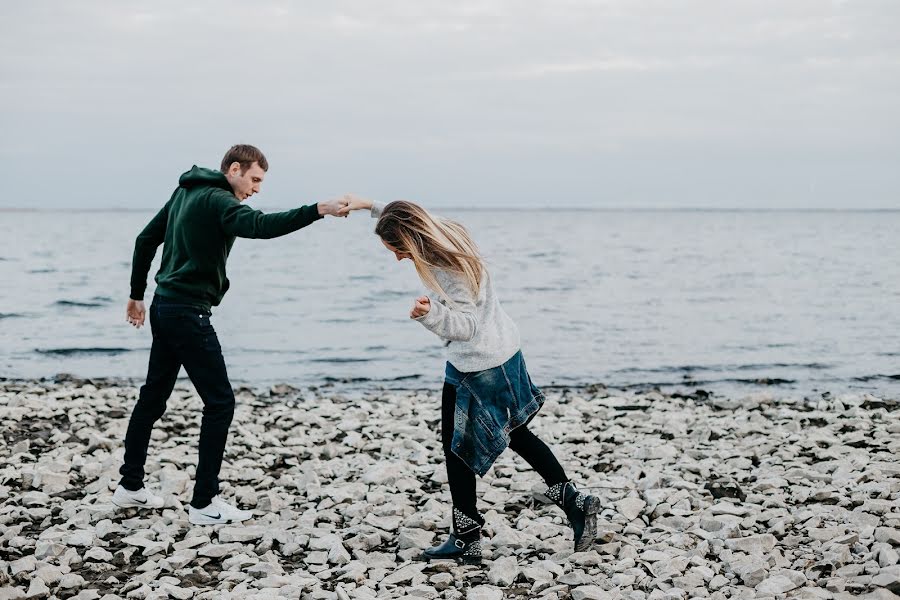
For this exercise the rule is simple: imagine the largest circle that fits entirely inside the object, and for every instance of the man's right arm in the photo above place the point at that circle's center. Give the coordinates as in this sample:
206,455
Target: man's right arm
145,247
243,221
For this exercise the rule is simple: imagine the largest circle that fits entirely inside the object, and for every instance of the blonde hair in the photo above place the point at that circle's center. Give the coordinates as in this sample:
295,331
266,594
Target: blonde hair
433,243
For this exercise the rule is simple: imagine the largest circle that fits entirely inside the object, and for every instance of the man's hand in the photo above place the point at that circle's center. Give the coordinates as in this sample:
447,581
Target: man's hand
355,203
135,312
333,207
420,308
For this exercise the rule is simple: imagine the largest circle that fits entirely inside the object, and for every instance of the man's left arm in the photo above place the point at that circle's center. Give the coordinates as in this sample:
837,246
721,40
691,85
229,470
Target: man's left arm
145,247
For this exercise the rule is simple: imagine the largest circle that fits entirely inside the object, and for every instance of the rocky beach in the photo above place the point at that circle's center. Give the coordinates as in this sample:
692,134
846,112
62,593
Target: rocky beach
756,496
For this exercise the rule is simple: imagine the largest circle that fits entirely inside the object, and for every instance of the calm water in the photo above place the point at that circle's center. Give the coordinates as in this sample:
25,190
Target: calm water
716,300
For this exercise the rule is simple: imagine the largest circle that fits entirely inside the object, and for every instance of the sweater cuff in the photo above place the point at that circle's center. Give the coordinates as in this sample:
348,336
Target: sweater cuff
433,317
310,212
377,209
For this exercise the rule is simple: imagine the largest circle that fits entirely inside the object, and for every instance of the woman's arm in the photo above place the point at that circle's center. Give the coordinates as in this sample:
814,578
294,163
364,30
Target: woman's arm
355,202
457,323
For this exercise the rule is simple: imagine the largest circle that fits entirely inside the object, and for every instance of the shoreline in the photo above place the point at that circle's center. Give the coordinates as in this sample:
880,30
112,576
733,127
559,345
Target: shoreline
720,497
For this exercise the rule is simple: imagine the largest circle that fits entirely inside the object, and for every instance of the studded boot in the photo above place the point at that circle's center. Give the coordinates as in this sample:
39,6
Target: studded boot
581,509
464,543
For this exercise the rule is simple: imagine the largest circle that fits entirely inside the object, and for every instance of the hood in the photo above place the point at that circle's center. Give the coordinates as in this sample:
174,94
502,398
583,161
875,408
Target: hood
201,177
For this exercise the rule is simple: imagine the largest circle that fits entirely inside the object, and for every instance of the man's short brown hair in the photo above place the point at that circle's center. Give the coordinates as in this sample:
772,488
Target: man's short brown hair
246,155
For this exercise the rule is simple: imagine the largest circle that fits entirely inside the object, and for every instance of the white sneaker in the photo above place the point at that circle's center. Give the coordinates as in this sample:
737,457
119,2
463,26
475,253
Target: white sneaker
142,498
217,512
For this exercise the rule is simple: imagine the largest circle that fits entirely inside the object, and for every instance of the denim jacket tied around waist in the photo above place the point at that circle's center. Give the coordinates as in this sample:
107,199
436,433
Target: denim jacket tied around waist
489,405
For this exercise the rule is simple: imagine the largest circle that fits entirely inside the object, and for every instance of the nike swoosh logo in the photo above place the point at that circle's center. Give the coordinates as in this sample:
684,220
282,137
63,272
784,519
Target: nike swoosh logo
139,501
218,516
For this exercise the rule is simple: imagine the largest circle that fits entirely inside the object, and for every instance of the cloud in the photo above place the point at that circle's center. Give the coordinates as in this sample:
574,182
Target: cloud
538,87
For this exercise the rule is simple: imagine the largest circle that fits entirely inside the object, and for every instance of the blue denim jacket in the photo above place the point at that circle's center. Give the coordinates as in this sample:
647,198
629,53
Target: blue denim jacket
490,404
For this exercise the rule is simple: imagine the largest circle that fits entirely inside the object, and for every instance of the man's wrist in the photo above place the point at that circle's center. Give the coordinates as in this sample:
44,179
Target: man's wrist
320,209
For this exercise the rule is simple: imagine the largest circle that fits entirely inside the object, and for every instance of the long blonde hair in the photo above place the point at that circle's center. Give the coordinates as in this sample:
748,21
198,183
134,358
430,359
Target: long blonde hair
433,243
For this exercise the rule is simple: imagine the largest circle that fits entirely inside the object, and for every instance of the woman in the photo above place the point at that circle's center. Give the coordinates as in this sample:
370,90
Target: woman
488,397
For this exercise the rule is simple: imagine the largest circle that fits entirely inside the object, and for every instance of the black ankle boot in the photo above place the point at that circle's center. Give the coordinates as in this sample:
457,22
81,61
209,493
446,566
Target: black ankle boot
581,510
464,543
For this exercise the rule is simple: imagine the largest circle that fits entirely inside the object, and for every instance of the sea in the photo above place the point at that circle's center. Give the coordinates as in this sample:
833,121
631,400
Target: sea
725,302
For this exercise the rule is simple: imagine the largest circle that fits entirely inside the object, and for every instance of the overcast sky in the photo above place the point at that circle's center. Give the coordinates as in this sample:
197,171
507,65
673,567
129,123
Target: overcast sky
615,103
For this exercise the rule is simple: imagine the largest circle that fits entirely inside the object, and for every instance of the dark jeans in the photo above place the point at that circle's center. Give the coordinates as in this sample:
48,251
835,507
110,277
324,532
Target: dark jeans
182,335
462,479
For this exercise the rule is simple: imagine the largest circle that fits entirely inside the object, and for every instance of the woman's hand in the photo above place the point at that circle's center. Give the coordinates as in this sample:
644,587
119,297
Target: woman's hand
420,308
354,202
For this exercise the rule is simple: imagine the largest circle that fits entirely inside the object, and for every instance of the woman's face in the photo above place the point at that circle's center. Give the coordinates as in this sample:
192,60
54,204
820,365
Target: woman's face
397,253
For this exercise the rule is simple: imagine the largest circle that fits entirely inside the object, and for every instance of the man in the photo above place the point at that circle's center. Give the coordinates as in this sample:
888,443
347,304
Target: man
197,228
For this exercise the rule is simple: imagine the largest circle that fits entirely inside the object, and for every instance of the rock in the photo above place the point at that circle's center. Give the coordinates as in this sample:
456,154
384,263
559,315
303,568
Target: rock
484,592
32,499
779,584
503,571
752,544
403,574
71,581
630,507
98,554
887,535
241,534
12,593
414,538
887,557
81,538
37,589
338,555
590,592
888,578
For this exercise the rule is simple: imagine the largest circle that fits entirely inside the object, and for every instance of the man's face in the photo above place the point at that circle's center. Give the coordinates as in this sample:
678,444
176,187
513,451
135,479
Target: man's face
247,183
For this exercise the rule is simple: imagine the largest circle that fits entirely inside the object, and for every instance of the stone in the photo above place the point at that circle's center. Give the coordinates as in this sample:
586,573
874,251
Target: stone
248,533
504,571
590,592
630,507
98,554
414,538
37,589
887,535
338,555
887,557
484,592
777,584
752,544
404,574
81,538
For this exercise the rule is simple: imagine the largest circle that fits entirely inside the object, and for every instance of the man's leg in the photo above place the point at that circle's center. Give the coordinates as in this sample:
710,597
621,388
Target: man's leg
162,371
205,365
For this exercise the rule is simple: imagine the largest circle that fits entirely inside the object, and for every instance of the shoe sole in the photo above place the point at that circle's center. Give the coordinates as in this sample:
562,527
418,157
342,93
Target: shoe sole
121,504
464,560
210,521
592,509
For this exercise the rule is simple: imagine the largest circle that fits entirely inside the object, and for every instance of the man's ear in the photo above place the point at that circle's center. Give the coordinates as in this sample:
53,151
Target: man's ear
234,169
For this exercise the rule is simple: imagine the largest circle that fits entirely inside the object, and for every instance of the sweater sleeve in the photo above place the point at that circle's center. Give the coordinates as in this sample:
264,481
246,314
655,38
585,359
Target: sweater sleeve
243,221
377,209
145,247
457,323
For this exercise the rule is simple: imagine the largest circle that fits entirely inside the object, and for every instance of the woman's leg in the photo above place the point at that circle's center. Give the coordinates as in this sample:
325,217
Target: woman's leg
464,543
581,509
537,454
460,477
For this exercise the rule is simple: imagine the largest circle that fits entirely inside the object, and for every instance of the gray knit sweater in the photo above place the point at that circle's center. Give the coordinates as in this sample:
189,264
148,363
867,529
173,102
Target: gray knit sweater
478,332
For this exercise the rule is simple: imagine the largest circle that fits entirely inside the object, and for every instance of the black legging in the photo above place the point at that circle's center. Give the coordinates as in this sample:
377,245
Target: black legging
524,443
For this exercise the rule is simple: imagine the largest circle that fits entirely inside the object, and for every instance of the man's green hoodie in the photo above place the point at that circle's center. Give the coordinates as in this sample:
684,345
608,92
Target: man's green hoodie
198,226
